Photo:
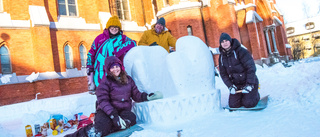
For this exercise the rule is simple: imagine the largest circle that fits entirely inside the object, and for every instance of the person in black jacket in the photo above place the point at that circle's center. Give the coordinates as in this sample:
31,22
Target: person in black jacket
237,70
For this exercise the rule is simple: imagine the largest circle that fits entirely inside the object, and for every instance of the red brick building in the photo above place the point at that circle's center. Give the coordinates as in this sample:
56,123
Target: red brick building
52,37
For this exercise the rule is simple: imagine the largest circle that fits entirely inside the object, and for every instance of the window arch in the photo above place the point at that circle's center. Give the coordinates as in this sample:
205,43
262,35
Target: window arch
189,29
68,56
83,55
290,30
5,60
310,25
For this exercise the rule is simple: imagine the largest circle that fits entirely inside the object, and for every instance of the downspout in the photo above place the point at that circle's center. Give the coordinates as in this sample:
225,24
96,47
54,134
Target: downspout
203,23
144,15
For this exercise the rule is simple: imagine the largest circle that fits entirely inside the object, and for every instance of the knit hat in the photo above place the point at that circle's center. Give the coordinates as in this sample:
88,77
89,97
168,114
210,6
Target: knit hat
113,21
114,64
224,36
161,21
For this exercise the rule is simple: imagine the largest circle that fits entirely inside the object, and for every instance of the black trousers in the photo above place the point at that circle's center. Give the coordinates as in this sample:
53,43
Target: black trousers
247,100
103,124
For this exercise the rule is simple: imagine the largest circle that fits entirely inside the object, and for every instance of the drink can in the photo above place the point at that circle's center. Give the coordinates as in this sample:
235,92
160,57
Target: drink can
37,128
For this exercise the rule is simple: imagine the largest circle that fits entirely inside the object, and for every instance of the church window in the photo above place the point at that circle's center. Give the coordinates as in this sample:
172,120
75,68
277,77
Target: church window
5,60
83,55
120,8
68,56
67,7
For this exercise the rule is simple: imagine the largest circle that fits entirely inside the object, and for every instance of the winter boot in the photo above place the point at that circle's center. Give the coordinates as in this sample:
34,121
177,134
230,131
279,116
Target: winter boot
93,133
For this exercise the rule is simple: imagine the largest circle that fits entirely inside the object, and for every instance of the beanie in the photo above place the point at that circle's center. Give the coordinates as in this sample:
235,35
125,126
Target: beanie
224,36
161,21
113,21
114,64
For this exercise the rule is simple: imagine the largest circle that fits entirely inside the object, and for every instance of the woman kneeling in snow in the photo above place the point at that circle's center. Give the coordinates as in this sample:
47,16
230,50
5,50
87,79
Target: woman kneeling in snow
238,72
114,101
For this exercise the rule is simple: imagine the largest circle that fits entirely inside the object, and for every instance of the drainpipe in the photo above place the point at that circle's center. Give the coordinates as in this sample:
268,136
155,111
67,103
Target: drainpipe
144,15
203,23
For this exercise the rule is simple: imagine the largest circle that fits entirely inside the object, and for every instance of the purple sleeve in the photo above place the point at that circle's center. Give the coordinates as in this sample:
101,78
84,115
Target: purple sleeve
93,51
103,98
136,95
127,45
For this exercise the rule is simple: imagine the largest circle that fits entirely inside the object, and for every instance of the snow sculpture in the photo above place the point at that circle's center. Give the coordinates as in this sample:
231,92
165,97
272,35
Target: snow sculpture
185,77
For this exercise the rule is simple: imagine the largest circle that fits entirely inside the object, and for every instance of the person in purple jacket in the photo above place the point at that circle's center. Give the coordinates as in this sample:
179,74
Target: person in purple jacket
112,42
114,101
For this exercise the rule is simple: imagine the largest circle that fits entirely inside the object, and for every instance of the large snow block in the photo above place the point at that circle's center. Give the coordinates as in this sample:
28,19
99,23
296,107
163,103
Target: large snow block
178,108
185,77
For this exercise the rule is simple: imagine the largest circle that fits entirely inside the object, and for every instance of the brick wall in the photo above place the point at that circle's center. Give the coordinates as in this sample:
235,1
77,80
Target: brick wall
15,93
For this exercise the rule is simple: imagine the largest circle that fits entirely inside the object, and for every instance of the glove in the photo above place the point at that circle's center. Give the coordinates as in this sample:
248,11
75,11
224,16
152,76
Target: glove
233,89
117,121
155,95
153,44
89,70
248,88
91,85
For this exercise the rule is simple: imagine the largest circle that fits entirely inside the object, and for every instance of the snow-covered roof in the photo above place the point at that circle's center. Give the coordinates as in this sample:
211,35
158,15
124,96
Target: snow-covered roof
14,79
277,8
277,21
253,16
300,26
242,6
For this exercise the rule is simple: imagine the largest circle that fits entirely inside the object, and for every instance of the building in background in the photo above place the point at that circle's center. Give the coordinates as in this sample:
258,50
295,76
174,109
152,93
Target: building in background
304,37
51,37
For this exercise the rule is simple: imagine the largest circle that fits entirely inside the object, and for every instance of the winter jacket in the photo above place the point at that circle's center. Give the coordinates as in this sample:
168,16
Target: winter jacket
104,46
112,95
237,66
164,39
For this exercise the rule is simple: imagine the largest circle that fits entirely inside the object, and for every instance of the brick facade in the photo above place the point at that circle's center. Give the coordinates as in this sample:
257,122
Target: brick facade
36,40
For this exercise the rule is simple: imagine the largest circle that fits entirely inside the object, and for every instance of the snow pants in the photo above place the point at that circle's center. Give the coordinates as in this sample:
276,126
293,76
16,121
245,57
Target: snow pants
103,124
248,100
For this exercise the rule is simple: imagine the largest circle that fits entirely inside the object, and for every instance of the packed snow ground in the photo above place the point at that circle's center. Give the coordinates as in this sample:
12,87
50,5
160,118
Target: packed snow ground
292,110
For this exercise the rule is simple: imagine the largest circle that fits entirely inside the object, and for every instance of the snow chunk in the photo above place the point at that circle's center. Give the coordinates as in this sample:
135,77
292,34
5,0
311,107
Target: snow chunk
32,77
5,79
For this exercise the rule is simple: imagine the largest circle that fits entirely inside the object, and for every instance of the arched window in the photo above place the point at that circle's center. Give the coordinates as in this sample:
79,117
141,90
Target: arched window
5,60
68,56
290,30
83,55
310,25
189,29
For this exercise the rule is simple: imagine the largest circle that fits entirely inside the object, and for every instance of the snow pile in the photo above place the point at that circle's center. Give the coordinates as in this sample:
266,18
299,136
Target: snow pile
5,79
32,77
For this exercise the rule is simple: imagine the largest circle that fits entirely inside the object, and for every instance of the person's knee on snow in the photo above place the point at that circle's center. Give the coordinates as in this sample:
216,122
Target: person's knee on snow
235,100
129,117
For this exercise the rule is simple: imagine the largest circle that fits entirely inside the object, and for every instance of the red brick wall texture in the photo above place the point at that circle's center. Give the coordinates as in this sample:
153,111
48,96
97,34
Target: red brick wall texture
41,48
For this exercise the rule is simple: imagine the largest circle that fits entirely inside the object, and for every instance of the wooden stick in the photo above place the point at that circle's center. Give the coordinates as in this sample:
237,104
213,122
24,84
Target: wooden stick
239,91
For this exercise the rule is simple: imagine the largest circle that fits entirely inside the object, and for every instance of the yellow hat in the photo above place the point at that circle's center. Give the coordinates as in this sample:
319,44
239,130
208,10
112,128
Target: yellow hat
113,21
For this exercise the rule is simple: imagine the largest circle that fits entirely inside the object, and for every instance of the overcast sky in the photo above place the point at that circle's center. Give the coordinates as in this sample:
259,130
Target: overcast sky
293,10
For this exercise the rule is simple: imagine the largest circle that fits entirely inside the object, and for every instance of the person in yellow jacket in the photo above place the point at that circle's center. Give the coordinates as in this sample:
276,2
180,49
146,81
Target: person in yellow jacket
158,35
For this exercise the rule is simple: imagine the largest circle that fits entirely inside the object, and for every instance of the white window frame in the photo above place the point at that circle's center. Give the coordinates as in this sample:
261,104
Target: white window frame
122,10
70,57
67,8
83,58
8,54
1,6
